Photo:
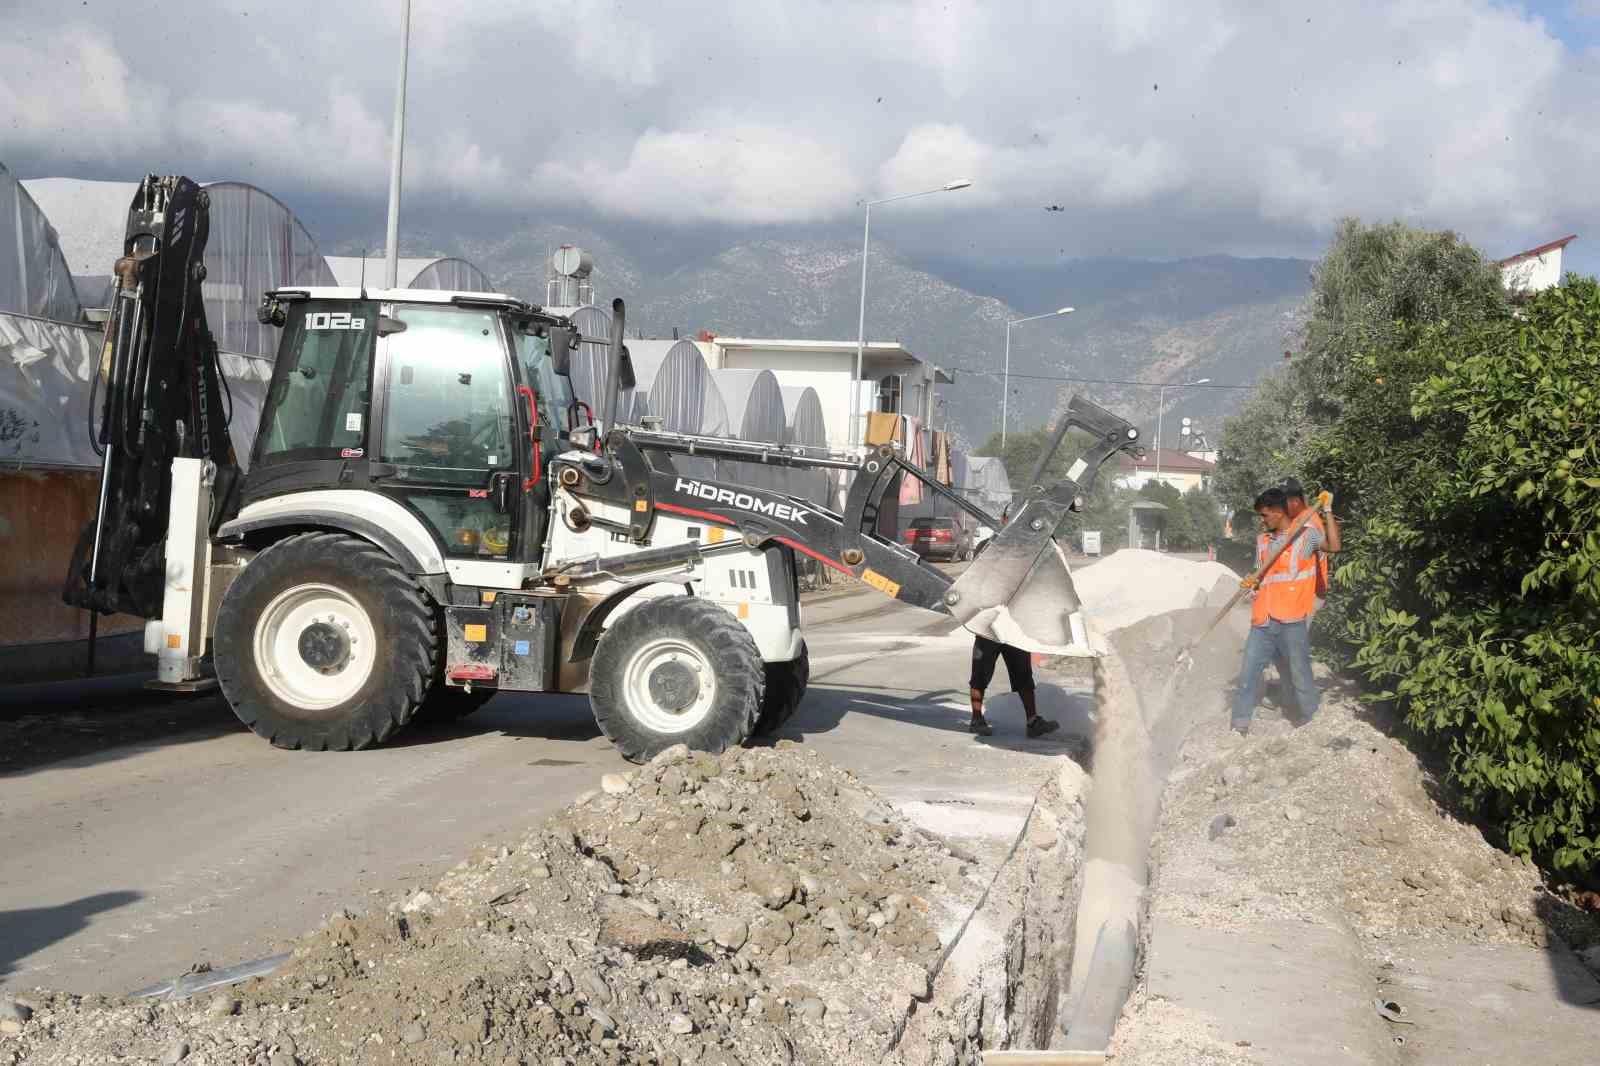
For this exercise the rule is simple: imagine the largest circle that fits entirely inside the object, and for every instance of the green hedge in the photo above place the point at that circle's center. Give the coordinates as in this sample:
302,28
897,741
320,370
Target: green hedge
1469,590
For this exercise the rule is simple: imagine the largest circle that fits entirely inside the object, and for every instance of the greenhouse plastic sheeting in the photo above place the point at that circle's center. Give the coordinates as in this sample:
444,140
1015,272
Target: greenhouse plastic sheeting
591,363
44,392
454,275
647,357
686,400
807,427
256,244
45,389
755,413
35,278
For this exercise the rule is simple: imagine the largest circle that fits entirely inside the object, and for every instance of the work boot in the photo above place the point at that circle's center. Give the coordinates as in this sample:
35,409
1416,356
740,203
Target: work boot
1039,725
980,726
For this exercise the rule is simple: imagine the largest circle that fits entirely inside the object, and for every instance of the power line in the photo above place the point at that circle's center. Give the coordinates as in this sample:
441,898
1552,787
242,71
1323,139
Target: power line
1151,384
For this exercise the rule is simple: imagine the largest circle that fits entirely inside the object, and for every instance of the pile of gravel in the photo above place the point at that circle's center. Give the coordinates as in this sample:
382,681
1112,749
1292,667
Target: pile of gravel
1337,824
758,907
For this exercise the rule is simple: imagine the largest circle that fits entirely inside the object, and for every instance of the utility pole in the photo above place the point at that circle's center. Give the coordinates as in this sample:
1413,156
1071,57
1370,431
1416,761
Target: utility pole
858,429
391,266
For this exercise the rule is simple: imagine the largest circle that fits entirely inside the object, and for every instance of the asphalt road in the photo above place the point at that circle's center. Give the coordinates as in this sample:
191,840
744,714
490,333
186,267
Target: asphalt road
140,836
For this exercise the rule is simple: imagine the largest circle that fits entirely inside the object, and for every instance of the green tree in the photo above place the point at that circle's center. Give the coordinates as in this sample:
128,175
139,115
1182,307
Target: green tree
1473,590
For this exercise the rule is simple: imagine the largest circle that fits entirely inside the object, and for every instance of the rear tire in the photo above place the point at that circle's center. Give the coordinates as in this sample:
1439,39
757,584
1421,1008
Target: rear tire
325,643
786,687
676,670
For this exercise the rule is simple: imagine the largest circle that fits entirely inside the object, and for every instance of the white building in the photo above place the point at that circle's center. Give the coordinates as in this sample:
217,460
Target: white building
1182,470
1536,269
892,378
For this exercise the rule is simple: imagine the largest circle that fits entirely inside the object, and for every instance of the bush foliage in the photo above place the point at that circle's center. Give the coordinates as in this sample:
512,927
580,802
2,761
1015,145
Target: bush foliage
1459,438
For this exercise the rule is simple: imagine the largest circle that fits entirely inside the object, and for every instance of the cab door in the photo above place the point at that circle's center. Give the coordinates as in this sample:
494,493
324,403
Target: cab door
449,445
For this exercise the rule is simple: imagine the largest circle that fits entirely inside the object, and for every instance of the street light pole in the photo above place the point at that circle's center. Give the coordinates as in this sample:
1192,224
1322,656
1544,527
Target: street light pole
391,254
1005,387
858,431
1161,407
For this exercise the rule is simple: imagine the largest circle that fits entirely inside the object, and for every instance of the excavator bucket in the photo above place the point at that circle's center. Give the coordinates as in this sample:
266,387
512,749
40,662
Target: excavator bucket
1019,591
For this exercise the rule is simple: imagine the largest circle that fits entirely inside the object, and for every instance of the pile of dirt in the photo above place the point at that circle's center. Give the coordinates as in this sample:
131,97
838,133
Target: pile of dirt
758,907
1336,823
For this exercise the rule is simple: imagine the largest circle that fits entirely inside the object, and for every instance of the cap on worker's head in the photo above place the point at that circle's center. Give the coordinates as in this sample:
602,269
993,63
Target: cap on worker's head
1292,488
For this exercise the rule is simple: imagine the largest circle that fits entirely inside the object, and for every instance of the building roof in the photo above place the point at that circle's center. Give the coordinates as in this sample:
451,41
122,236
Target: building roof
1173,461
882,353
1533,253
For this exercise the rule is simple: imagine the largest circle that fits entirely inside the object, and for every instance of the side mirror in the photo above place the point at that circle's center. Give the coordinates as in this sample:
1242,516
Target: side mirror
562,342
388,325
271,313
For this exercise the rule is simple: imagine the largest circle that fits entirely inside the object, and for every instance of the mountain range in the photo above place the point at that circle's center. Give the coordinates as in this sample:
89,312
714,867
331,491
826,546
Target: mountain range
1219,317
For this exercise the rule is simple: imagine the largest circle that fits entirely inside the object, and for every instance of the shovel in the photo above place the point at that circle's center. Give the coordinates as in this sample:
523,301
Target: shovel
1019,591
1249,584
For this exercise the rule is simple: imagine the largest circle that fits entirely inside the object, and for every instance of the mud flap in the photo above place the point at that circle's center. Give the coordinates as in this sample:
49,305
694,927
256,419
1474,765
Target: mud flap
1019,591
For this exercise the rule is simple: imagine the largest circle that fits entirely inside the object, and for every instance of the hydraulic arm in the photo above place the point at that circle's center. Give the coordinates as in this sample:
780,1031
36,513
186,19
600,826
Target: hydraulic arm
1019,591
164,400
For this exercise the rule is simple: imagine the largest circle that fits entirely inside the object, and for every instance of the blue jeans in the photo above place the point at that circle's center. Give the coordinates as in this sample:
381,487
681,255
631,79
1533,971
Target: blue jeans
1289,641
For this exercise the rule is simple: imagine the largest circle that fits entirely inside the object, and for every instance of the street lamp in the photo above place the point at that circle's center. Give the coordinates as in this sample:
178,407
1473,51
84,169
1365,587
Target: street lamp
1006,386
1161,406
857,430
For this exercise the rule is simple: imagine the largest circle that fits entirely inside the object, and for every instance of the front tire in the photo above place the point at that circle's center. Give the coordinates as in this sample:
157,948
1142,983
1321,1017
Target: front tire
676,670
325,643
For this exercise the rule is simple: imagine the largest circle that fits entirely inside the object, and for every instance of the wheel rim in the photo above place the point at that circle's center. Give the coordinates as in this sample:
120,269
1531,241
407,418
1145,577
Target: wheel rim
669,685
315,647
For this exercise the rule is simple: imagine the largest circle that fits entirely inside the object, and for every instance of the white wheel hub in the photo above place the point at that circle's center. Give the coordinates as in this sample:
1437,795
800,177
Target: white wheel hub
315,646
669,685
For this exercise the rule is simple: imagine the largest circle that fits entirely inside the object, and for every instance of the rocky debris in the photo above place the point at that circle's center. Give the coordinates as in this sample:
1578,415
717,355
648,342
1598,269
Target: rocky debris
758,907
1343,831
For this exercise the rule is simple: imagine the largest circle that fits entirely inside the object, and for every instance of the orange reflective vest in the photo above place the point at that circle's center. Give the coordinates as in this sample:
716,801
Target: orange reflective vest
1288,590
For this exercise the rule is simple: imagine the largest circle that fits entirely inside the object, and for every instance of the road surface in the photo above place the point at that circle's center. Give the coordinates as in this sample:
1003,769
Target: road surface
140,836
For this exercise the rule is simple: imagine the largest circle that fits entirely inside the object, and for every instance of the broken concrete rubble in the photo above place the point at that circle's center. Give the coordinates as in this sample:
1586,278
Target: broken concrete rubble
760,907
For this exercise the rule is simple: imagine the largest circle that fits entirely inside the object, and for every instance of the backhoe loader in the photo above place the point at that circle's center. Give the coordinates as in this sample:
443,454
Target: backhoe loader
429,518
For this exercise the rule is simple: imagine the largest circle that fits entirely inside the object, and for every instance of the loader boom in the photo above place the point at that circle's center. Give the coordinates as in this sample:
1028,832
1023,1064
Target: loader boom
1020,591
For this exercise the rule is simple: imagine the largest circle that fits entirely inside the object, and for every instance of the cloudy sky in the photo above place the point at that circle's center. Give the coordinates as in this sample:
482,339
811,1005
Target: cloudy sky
1161,129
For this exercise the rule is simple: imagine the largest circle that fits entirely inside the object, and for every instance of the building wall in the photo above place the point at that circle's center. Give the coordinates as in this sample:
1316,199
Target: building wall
1533,274
1183,481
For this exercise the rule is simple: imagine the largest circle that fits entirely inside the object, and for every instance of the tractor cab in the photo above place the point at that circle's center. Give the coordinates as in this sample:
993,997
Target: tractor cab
447,403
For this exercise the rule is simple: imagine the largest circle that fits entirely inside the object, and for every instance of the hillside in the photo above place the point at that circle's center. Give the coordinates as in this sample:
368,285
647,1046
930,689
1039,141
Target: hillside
1216,317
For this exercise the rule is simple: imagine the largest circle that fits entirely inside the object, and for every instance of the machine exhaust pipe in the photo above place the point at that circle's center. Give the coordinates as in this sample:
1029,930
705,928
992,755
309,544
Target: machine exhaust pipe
619,370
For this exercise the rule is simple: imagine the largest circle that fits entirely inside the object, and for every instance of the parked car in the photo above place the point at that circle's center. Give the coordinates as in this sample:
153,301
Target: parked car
940,538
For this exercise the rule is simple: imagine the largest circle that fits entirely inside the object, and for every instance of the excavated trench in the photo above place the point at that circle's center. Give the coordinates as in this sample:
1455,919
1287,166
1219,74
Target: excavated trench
1072,948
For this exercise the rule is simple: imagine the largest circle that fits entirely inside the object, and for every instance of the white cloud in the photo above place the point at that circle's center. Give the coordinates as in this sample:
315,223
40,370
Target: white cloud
1156,124
718,171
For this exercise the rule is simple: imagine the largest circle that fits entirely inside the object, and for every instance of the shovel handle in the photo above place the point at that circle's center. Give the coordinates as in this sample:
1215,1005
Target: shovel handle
1324,502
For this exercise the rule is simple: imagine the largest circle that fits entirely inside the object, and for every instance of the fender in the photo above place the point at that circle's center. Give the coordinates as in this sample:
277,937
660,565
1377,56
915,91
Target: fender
363,514
588,632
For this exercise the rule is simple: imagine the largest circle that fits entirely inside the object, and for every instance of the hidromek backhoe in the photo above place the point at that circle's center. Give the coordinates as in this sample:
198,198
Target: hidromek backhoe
428,519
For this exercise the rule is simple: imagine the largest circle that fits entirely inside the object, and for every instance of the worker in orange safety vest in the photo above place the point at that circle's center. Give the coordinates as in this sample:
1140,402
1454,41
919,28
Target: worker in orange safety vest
1328,526
1280,610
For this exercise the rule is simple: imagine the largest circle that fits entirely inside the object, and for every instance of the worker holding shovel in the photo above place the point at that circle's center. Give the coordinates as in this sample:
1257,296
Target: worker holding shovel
1280,610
